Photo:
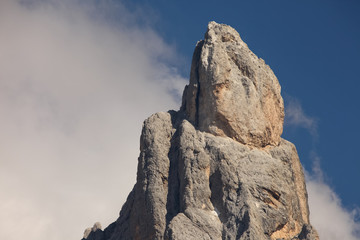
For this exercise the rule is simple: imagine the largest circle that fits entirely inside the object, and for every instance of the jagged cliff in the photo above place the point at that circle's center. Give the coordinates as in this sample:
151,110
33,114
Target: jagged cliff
217,168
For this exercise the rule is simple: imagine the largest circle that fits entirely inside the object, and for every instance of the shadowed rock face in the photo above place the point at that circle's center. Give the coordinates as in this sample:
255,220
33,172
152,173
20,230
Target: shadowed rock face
217,169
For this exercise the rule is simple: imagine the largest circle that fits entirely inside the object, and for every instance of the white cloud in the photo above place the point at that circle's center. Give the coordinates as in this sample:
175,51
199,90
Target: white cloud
295,116
77,79
327,215
330,218
76,82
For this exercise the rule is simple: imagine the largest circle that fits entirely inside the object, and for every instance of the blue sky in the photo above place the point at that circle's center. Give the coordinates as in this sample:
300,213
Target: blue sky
79,77
312,46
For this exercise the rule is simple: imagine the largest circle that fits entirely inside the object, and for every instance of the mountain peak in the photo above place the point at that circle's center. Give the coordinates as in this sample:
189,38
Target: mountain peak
217,169
232,92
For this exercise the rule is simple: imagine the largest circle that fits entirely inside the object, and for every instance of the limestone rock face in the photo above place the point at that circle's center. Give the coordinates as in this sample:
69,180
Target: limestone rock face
217,169
232,92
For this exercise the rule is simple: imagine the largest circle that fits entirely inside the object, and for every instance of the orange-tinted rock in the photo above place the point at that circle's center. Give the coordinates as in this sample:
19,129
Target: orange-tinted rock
232,92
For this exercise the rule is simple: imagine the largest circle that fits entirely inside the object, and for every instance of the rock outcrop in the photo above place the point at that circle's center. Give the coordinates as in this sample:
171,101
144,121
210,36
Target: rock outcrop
218,168
232,92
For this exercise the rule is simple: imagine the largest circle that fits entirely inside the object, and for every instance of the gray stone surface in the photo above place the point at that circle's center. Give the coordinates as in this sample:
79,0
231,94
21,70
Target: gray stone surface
197,182
232,92
94,233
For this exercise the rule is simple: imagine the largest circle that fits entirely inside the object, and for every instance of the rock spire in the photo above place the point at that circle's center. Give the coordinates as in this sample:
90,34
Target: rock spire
232,92
217,168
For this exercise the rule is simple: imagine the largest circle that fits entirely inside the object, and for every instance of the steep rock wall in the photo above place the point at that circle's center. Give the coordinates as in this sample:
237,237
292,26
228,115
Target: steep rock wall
217,168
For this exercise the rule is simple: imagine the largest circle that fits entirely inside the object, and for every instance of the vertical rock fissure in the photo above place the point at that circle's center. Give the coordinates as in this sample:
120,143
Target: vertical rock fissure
197,75
197,104
173,196
243,225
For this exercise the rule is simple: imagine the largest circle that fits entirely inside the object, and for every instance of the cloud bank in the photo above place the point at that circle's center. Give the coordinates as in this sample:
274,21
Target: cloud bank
77,79
330,218
327,215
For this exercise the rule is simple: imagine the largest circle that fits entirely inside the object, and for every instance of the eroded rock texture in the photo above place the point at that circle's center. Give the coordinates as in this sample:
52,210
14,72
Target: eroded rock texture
218,169
232,92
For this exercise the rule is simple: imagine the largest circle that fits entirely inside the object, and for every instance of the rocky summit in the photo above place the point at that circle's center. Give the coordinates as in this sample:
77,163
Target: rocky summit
217,168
